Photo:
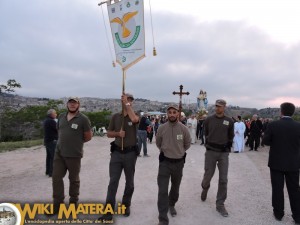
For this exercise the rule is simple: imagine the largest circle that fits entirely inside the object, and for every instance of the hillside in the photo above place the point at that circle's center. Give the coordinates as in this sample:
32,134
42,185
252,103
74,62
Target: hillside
99,104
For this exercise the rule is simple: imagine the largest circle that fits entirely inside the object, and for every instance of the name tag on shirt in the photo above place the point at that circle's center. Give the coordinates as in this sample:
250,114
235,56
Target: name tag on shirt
74,126
226,122
179,137
129,123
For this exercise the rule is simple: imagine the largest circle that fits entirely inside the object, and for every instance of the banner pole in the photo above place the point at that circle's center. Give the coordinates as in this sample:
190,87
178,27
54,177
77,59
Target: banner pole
123,92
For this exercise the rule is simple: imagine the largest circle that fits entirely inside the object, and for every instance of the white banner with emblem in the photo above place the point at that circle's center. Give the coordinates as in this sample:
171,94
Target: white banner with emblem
127,26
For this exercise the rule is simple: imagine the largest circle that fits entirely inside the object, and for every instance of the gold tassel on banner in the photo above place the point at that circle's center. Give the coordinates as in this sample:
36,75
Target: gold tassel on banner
154,51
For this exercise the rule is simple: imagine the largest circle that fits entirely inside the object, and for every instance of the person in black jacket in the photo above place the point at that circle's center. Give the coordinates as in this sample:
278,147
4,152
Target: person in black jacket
200,129
283,137
142,134
50,139
255,132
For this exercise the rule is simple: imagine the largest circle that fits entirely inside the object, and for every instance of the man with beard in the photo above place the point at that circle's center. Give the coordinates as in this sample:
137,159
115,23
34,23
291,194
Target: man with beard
74,129
172,139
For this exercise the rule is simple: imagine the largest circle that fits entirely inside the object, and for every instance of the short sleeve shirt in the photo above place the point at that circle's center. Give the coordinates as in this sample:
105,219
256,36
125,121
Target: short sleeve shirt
71,134
130,129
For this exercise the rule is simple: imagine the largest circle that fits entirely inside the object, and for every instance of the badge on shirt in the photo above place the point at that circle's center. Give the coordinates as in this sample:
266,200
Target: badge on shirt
129,123
74,126
179,137
226,122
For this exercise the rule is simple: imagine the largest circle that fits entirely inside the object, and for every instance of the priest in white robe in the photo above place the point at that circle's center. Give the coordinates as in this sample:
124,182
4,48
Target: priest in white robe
192,126
239,139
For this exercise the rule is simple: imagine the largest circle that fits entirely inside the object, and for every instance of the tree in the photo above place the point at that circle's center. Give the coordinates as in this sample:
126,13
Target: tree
27,122
5,98
99,119
9,87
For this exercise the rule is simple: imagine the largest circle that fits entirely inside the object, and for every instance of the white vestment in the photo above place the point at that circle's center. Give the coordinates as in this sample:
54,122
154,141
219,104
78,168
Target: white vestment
239,139
192,126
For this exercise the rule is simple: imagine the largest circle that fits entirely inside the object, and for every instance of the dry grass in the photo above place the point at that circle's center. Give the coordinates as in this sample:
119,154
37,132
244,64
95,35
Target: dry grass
10,146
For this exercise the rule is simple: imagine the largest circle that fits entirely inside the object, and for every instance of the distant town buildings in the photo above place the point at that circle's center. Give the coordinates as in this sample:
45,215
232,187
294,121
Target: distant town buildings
89,104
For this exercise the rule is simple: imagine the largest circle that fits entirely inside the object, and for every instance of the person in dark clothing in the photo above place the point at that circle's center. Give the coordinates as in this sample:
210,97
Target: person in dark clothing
247,131
200,129
156,125
150,131
142,134
283,137
219,133
255,133
50,139
265,125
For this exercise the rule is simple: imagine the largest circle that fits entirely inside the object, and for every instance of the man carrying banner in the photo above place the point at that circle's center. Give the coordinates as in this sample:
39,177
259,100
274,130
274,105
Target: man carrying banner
124,151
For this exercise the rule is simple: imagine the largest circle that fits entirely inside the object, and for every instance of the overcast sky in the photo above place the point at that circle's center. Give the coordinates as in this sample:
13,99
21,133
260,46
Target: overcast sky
247,52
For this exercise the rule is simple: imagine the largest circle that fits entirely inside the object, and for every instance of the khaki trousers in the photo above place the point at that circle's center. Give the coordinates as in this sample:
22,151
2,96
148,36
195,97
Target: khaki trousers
213,159
60,167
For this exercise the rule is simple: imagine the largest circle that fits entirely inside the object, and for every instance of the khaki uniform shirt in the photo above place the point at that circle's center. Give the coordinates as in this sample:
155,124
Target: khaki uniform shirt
173,139
130,129
71,134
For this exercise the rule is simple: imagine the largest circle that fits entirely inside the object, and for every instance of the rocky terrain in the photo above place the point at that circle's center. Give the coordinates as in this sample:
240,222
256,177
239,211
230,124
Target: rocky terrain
23,180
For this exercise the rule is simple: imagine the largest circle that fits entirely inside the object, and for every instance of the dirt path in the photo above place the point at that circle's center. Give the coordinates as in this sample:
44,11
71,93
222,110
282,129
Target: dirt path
22,180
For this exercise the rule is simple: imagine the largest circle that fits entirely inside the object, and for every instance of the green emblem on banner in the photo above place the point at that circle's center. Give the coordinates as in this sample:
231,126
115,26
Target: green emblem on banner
131,42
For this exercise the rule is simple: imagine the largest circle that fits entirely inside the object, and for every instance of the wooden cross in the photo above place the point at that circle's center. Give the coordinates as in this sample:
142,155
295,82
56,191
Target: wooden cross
180,93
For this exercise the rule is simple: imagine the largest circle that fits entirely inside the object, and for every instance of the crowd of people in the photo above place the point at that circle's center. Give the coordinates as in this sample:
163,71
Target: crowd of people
248,132
65,138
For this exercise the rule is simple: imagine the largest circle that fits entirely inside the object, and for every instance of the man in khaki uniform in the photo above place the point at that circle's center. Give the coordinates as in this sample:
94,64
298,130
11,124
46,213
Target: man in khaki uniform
219,133
123,128
74,129
172,139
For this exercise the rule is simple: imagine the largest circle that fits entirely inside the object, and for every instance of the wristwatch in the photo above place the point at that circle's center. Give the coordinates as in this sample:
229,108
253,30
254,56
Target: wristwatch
128,104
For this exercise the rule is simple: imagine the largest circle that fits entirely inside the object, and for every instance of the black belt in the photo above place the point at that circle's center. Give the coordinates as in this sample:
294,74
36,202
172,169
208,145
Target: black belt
125,149
217,147
173,160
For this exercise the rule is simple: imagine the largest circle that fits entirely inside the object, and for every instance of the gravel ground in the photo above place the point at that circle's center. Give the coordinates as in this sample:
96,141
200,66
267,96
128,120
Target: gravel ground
23,180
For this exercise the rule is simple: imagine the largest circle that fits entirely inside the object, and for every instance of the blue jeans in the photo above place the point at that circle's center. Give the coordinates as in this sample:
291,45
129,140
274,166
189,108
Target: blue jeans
142,140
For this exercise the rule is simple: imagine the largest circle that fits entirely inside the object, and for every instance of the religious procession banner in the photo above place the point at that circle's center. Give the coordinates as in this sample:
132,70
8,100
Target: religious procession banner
127,26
